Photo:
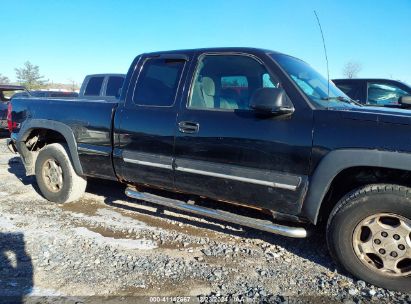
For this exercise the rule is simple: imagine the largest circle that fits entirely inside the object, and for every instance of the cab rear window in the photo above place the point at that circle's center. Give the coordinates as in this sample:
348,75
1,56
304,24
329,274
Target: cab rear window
94,86
114,85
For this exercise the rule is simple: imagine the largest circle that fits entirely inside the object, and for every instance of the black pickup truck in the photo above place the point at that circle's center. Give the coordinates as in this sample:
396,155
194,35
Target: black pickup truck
239,126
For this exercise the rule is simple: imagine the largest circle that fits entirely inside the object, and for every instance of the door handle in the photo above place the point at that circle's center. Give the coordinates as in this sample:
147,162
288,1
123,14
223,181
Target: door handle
188,127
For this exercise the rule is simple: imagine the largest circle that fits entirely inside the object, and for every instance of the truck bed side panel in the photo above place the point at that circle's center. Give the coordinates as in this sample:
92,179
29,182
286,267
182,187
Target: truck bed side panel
90,122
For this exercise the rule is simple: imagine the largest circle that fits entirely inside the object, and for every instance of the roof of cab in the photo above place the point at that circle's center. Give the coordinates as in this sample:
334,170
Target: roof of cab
347,80
106,74
216,49
366,79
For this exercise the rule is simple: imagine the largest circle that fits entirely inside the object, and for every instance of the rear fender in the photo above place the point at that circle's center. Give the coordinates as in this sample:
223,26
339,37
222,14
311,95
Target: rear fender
29,157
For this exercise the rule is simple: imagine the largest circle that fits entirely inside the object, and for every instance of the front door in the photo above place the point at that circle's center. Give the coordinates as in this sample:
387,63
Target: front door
227,152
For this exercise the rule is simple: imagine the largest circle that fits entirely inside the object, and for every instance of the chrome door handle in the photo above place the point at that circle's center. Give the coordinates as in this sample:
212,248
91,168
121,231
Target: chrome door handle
188,127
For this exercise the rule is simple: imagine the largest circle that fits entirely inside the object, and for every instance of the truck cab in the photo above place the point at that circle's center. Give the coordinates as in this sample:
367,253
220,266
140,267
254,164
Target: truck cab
186,121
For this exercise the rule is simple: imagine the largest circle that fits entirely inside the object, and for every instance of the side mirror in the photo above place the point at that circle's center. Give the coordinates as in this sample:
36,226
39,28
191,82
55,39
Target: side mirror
271,101
405,101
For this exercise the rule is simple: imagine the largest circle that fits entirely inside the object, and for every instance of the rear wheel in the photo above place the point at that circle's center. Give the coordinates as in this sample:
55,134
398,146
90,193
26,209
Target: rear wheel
55,175
369,234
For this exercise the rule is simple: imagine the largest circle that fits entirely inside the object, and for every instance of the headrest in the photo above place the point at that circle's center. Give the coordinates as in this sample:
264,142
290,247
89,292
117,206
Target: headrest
208,86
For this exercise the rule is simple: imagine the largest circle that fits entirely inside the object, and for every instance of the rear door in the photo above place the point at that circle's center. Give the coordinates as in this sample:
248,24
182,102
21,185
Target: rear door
226,152
145,124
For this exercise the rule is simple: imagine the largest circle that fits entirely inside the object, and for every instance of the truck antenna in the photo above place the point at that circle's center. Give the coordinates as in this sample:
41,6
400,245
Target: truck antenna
326,57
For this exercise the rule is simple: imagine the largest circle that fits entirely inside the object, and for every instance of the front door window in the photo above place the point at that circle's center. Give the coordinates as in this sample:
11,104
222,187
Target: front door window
227,82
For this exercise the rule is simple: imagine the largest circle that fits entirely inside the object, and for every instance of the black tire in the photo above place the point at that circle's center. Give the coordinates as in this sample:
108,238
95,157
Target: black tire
353,209
73,186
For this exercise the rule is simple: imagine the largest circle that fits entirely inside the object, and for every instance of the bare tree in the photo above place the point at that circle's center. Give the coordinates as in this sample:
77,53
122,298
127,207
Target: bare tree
73,85
4,79
351,69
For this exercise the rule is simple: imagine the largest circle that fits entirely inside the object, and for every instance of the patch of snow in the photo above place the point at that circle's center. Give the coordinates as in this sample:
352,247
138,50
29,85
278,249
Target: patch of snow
112,219
123,243
43,292
7,224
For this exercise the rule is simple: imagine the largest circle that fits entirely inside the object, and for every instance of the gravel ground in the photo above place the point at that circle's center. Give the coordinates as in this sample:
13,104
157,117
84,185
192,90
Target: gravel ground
107,245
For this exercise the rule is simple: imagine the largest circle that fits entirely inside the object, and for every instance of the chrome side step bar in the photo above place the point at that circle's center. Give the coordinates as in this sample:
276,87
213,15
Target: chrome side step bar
296,232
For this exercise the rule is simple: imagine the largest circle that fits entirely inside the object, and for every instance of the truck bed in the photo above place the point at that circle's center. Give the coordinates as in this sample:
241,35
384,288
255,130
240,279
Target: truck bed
89,120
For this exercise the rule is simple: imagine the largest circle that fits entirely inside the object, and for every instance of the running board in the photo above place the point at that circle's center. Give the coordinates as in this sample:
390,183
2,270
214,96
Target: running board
296,232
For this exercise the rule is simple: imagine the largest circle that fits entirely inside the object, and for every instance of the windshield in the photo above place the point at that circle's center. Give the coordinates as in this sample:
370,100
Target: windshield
312,83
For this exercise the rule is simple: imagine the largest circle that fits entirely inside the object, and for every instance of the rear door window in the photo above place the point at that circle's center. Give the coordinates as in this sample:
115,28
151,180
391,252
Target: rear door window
384,94
158,82
94,86
114,85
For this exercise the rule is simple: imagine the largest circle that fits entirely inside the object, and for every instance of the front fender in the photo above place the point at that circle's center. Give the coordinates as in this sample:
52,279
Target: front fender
338,160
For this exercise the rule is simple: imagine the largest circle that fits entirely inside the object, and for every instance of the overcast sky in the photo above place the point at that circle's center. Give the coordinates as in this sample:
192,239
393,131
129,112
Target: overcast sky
69,39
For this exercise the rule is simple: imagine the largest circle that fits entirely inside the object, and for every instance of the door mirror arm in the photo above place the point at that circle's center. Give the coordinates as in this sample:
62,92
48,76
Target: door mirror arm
283,111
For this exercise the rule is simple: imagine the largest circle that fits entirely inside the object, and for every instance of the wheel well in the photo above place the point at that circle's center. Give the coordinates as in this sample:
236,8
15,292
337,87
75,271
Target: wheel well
35,141
39,138
353,178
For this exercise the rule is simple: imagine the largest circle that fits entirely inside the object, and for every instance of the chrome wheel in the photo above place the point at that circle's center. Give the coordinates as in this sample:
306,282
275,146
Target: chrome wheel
383,243
52,175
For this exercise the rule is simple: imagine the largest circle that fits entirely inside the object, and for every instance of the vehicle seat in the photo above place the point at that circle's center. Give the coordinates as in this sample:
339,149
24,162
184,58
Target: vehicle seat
197,100
208,92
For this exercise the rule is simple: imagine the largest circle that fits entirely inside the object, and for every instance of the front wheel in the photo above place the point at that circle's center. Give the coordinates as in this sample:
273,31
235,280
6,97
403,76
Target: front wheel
55,175
369,234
